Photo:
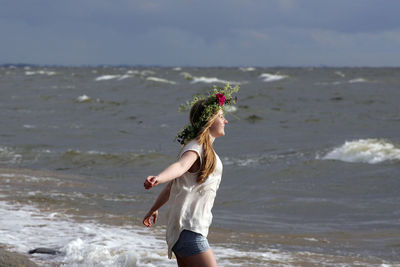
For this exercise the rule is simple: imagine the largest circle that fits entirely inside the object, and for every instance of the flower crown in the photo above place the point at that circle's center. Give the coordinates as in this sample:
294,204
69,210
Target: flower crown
216,99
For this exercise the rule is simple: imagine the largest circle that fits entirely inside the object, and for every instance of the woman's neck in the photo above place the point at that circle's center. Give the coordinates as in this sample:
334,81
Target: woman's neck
212,139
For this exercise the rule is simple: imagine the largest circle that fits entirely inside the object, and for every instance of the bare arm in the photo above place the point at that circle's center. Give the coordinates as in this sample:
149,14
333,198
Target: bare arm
161,200
173,171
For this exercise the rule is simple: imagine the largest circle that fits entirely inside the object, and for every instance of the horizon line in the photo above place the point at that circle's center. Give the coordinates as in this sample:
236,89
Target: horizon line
185,66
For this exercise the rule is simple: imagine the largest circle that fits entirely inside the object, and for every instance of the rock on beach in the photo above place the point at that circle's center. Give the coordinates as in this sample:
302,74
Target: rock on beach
13,259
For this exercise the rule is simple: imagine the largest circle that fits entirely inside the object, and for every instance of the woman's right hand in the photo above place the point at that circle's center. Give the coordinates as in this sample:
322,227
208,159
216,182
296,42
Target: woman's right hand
149,215
150,182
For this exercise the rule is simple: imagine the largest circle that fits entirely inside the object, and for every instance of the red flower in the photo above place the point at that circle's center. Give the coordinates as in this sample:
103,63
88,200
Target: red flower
221,99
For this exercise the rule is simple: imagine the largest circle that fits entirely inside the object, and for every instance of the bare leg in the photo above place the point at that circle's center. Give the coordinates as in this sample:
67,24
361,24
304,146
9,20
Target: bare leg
204,259
179,260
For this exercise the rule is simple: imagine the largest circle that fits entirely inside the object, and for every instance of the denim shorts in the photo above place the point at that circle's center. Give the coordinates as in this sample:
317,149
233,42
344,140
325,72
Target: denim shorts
189,244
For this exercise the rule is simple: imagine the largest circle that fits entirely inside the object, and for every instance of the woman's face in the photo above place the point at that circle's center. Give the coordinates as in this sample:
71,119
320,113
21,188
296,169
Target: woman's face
217,129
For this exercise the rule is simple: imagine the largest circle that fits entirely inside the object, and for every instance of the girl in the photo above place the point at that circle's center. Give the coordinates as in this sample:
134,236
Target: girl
192,182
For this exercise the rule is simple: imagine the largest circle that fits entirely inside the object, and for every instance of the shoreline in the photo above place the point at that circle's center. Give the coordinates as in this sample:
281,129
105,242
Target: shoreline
14,259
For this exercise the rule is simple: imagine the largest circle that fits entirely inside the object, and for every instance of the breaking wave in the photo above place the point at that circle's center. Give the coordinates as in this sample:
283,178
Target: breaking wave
203,79
268,77
358,80
370,151
160,80
40,72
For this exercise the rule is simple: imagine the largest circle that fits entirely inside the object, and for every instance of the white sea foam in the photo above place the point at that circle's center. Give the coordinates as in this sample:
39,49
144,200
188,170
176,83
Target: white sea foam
339,73
83,98
132,72
125,76
241,162
160,80
40,72
177,69
358,80
230,108
147,72
93,244
264,159
7,156
29,126
107,77
23,178
187,76
120,77
329,83
263,258
370,151
311,239
203,79
268,77
82,244
95,152
247,69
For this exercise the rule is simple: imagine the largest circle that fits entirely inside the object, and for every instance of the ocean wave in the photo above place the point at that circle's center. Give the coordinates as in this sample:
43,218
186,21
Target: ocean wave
29,126
40,72
90,243
107,77
99,158
83,99
160,80
339,73
358,80
128,74
247,69
124,76
370,151
260,160
23,178
187,76
329,83
230,109
118,77
147,72
80,243
203,79
50,196
242,162
75,158
9,156
268,77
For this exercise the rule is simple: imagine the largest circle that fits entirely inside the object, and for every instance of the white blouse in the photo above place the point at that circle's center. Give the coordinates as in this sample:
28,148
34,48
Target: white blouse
190,203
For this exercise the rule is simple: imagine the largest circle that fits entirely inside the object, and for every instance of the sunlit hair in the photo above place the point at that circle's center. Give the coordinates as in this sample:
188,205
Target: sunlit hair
209,160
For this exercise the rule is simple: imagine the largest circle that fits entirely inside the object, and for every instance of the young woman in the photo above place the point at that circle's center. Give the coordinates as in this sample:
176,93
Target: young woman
192,182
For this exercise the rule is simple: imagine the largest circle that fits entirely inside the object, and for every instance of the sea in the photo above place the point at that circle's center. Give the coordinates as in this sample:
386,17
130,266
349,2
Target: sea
311,162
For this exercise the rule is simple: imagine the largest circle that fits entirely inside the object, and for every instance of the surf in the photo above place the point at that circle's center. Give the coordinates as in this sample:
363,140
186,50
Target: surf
371,151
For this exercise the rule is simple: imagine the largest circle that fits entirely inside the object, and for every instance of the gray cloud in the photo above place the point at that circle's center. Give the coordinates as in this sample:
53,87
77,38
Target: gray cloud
226,32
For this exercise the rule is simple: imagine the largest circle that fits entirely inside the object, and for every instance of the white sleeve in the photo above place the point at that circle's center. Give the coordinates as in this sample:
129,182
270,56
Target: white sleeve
193,146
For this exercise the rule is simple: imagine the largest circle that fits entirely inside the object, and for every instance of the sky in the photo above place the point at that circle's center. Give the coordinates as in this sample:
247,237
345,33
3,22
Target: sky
261,33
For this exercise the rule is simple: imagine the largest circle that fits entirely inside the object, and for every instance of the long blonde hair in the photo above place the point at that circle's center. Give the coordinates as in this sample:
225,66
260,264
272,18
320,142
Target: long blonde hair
209,160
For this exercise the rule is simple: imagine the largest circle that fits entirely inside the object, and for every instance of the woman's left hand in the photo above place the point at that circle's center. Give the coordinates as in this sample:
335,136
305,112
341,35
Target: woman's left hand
149,215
